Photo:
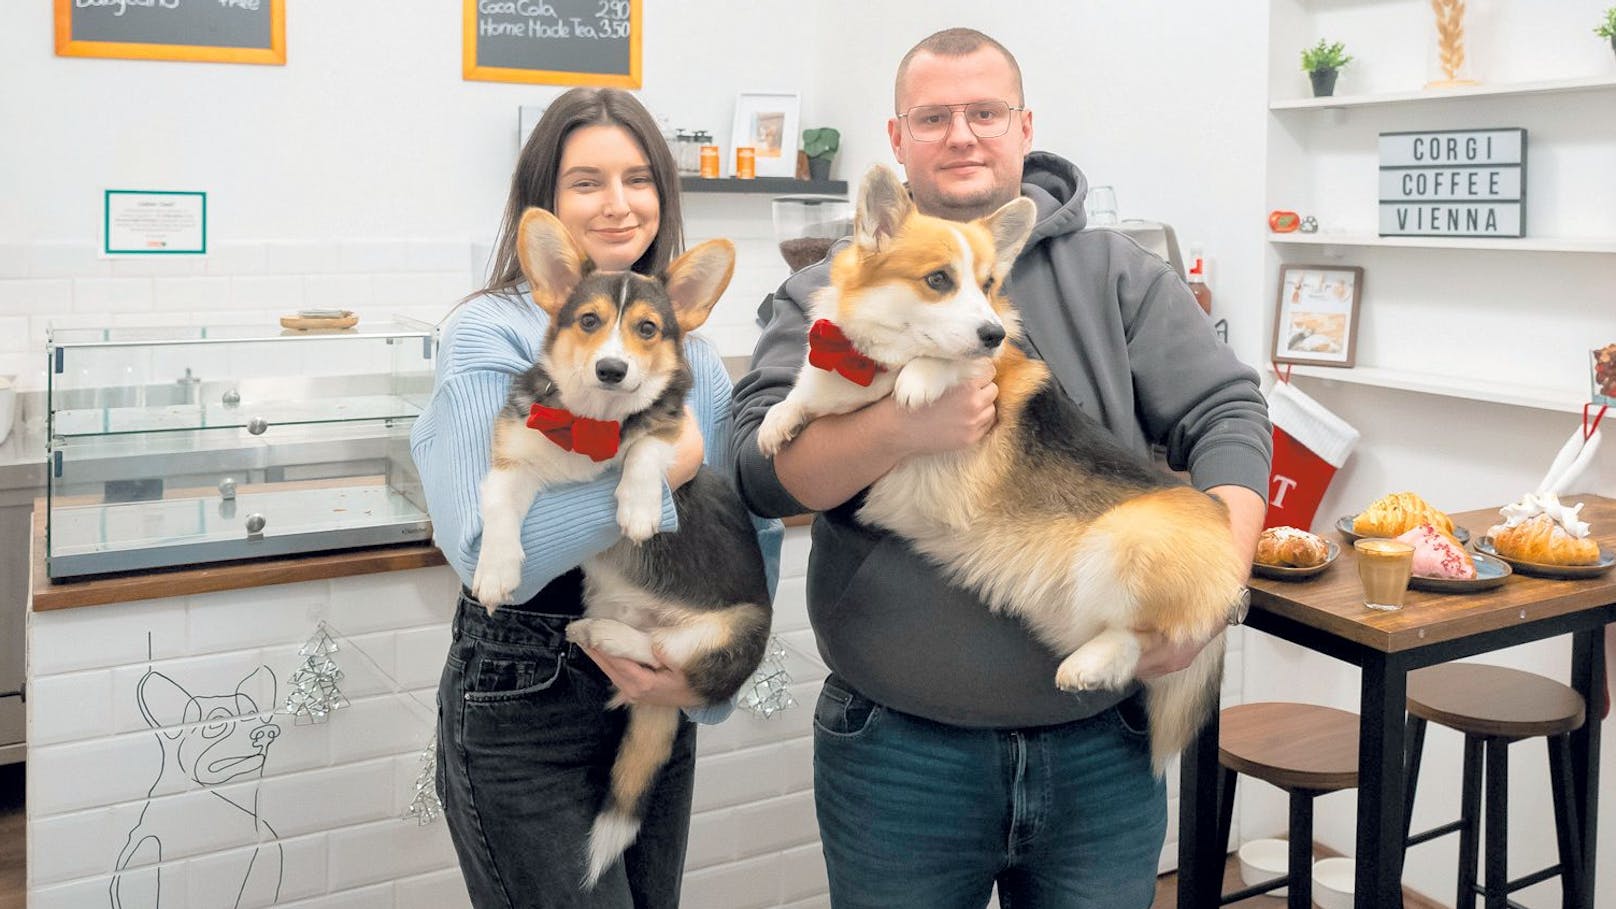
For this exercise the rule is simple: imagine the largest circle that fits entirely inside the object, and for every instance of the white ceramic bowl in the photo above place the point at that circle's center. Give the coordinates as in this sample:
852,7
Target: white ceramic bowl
1262,861
1332,883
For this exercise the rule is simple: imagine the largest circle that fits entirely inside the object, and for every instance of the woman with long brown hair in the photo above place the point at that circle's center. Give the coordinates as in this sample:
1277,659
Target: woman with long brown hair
525,741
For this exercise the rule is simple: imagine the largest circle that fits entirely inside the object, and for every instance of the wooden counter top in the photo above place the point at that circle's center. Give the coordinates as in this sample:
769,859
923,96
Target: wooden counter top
151,584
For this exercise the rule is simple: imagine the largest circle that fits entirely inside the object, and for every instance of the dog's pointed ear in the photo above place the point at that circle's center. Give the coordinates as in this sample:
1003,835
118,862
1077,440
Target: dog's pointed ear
164,703
255,689
1010,227
883,206
552,264
697,279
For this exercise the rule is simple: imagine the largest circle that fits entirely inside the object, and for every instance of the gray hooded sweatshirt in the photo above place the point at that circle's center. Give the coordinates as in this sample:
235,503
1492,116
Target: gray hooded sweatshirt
1125,339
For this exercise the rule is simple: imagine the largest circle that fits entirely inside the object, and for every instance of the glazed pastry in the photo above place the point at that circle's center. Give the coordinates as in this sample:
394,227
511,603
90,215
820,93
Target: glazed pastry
1288,547
1396,514
1543,540
1436,555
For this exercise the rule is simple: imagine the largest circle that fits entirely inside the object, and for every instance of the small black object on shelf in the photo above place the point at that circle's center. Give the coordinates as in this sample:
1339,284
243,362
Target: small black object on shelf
764,185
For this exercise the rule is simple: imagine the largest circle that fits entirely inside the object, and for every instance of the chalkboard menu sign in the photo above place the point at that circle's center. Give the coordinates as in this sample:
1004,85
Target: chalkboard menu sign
218,31
1453,183
555,42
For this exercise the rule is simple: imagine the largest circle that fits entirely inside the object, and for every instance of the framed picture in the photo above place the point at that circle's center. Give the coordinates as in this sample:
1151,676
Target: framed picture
1316,319
767,121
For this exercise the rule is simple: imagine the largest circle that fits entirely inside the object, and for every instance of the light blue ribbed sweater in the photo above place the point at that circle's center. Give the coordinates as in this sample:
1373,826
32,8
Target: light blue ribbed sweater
487,342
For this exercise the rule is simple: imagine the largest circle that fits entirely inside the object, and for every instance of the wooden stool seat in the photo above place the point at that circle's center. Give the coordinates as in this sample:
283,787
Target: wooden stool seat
1493,701
1292,746
1303,749
1496,707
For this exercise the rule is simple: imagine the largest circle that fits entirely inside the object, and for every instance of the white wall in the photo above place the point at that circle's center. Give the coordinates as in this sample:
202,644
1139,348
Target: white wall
364,173
1506,318
366,170
1113,88
333,793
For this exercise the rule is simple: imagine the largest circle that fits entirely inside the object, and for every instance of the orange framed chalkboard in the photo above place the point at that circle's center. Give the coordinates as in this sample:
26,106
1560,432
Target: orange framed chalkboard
553,42
220,31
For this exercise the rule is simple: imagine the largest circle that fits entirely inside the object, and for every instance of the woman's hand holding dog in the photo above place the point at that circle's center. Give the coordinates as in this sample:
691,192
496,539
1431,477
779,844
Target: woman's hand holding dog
637,683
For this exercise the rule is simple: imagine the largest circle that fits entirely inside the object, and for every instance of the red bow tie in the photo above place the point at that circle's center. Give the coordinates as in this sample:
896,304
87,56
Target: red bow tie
596,438
831,351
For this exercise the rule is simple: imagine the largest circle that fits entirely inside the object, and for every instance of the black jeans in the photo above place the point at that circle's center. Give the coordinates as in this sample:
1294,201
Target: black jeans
525,748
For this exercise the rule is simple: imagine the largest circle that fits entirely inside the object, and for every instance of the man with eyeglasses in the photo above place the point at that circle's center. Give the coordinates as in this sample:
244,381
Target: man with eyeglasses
945,759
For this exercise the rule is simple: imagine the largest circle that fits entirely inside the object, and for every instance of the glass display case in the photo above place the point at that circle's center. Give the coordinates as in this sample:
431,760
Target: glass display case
173,447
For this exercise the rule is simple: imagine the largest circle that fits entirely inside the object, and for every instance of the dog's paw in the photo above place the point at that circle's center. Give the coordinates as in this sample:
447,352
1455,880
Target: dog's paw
921,382
780,425
639,516
1095,668
499,571
583,632
612,638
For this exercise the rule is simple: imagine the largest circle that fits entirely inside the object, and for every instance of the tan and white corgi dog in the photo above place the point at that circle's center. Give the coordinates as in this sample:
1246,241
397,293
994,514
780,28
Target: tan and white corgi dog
1047,518
609,390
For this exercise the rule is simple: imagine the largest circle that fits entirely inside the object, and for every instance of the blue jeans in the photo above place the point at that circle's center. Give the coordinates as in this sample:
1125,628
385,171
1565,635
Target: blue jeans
525,748
919,814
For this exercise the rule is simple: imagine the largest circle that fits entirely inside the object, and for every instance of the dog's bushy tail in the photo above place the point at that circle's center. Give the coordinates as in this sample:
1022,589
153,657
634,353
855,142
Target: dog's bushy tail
1180,703
1174,557
647,744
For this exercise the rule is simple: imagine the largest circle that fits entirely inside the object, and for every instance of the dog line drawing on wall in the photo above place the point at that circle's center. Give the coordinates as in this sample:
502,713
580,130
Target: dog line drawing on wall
209,740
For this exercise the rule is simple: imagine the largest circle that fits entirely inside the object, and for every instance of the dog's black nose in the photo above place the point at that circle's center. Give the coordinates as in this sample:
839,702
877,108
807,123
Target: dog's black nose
991,334
612,370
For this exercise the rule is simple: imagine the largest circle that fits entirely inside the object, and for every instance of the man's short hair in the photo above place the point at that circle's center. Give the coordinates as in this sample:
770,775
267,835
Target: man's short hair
954,42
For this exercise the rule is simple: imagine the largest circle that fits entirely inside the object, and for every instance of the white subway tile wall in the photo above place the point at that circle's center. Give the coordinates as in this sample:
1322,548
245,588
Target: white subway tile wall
68,284
127,747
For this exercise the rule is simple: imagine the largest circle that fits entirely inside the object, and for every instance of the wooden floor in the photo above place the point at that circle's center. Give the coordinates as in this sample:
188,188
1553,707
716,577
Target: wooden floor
13,851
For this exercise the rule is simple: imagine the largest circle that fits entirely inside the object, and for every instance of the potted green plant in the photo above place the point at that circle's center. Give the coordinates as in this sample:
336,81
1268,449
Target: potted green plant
1607,29
1323,62
820,145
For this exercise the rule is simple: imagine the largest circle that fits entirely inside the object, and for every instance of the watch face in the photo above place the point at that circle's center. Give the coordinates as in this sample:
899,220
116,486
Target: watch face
1237,609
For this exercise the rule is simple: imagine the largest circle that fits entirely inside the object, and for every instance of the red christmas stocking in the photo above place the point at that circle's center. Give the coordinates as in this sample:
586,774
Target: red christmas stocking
1310,444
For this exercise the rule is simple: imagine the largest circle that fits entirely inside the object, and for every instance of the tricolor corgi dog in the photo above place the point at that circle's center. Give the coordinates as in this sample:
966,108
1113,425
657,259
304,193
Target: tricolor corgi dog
1048,517
609,391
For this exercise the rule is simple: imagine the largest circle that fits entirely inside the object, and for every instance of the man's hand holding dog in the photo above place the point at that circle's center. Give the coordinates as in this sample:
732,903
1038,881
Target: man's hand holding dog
836,456
958,418
1158,657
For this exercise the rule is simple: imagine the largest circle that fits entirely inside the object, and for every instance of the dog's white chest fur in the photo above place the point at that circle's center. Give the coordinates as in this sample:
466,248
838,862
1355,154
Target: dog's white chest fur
920,498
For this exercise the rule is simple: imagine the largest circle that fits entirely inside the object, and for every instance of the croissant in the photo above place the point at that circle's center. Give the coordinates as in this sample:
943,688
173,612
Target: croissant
1396,514
1540,539
1291,548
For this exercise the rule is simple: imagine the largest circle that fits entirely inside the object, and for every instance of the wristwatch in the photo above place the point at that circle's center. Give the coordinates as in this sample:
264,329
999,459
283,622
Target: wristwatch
1239,607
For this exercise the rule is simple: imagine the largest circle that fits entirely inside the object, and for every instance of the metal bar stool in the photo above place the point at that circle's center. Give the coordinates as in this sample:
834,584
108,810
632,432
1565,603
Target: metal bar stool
1494,707
1303,749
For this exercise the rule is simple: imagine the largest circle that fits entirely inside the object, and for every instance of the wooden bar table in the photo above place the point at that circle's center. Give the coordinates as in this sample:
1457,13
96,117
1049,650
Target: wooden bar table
1326,613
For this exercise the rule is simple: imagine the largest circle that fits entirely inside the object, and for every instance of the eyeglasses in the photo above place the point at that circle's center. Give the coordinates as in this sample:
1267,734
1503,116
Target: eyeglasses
931,122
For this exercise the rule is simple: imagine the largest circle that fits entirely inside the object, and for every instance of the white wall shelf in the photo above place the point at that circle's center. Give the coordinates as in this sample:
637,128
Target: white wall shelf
1547,86
1563,400
1521,244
